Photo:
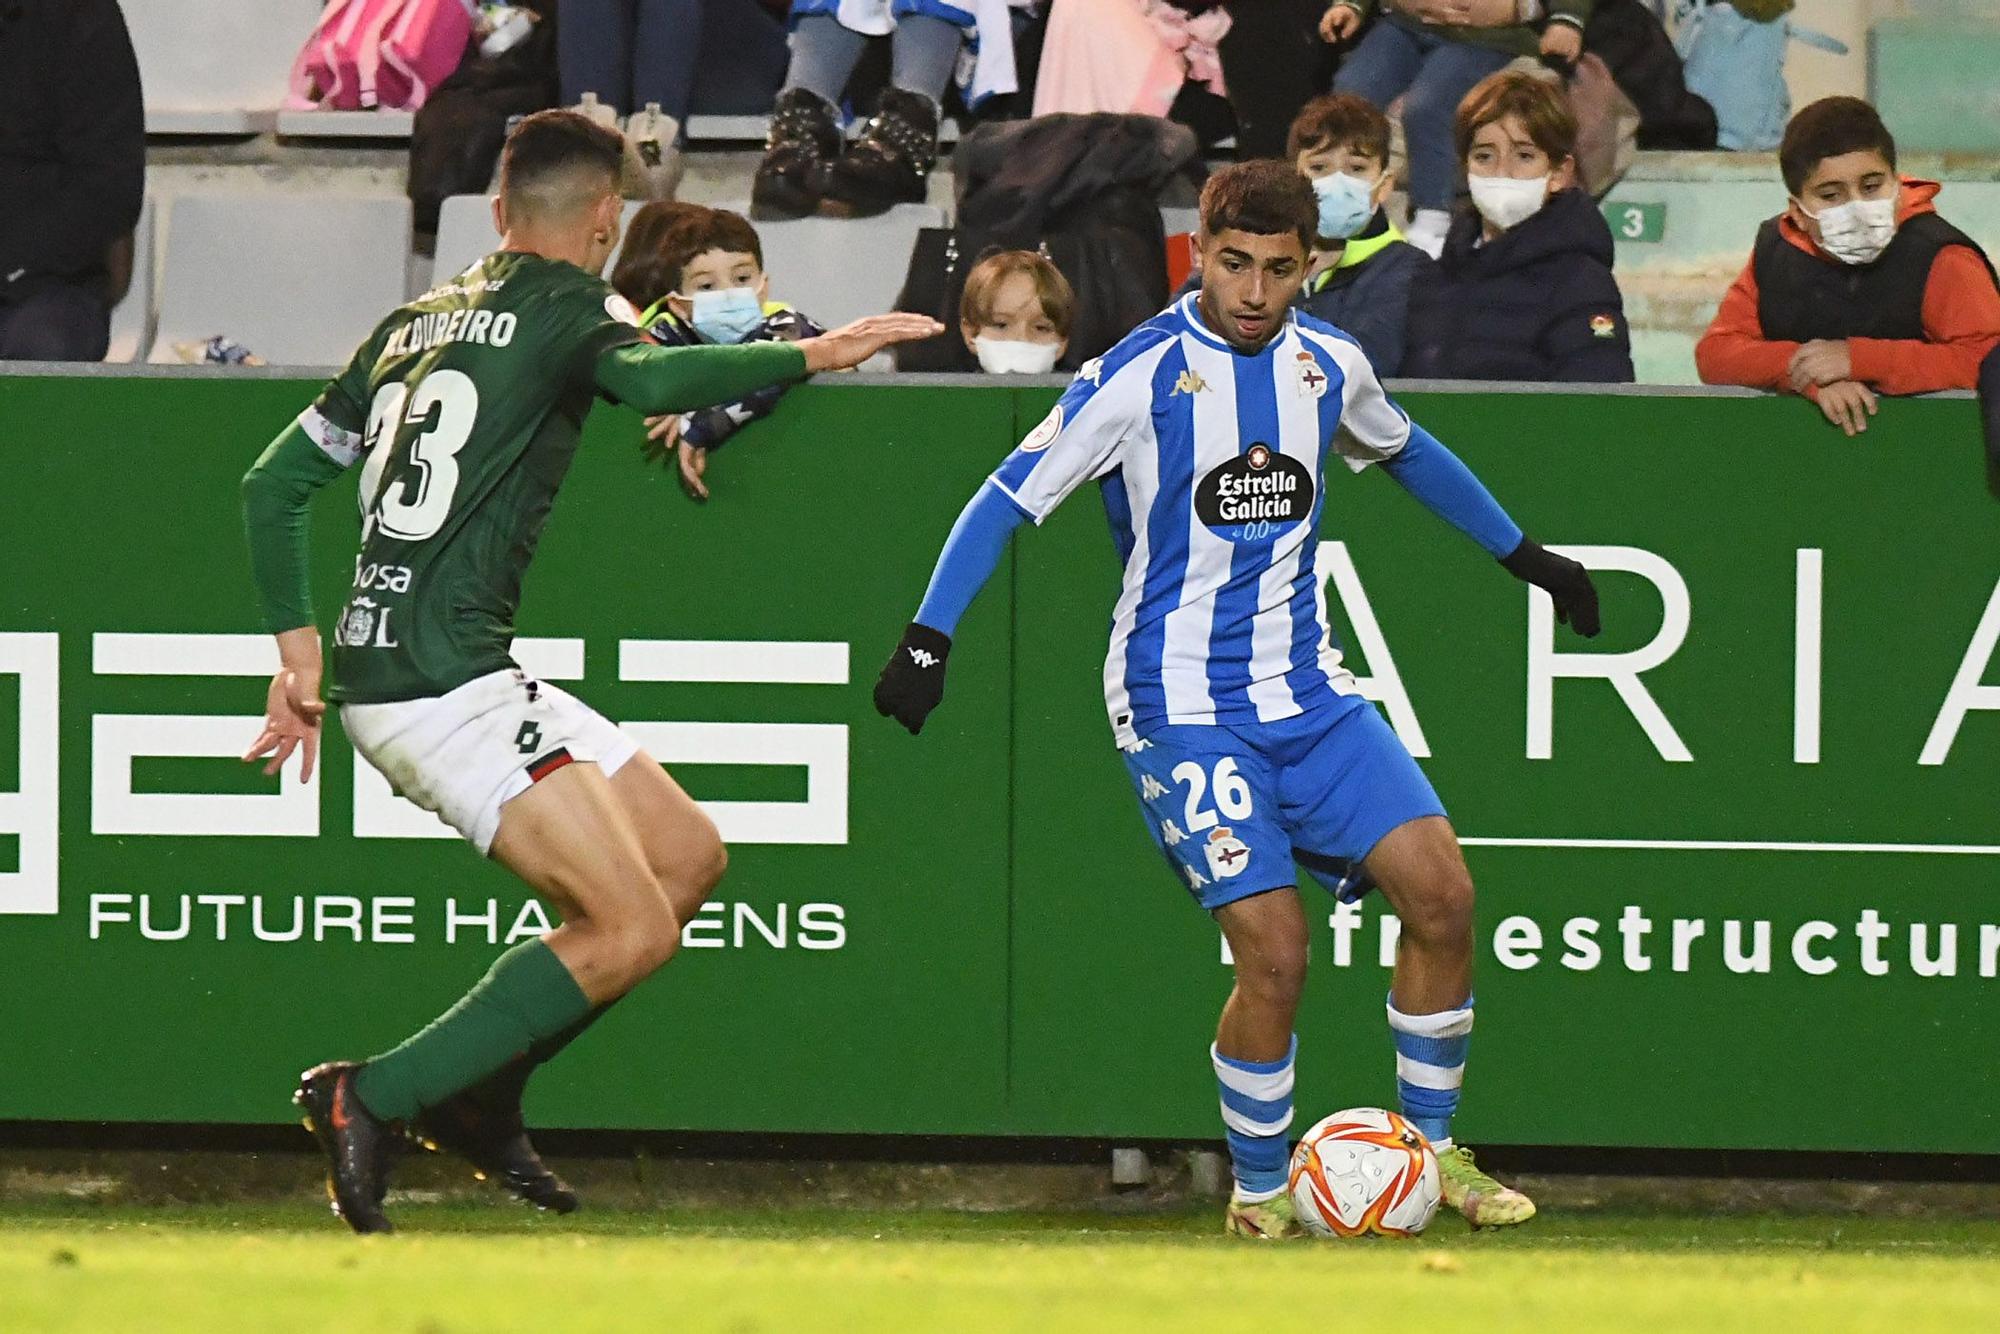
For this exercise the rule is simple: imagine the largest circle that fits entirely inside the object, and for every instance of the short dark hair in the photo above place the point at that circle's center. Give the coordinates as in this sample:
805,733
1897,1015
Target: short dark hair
1335,120
551,145
1828,128
1541,105
641,275
1263,197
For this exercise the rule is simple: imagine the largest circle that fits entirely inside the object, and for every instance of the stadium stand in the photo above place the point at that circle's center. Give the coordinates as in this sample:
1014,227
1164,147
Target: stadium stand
216,66
132,318
231,266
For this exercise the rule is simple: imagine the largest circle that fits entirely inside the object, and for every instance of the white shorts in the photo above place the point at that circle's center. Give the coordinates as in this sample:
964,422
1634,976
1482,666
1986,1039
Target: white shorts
465,754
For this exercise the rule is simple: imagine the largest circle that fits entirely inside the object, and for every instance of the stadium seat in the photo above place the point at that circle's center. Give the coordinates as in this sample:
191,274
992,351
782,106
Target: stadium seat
299,279
381,124
216,66
132,318
838,269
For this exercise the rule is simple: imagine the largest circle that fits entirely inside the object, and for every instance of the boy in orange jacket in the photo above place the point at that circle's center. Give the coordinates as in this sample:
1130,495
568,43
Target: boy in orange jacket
1858,288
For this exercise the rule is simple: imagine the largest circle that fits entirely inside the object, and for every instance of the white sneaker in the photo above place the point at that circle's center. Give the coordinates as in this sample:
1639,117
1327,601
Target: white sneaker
1427,230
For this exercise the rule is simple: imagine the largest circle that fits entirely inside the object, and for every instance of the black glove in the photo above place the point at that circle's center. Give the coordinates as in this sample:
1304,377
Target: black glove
913,682
1567,582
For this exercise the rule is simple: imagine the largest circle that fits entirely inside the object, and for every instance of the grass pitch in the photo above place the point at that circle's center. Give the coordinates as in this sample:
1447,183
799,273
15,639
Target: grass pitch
457,1267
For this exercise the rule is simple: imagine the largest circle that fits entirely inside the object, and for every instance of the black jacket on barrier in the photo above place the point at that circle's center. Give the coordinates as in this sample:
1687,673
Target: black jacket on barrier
1537,302
72,141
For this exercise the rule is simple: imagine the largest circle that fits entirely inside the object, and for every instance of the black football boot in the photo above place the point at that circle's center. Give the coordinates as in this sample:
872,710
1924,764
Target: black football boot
496,1143
355,1140
891,161
804,140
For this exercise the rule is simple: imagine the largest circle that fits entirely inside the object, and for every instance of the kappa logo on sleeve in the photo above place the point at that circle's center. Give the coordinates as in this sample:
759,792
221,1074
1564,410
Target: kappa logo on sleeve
1044,435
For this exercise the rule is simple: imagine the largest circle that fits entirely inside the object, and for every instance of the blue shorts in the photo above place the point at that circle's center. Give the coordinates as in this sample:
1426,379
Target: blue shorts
1234,806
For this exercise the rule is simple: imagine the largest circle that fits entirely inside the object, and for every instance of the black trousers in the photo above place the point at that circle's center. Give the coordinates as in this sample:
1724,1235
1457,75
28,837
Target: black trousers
1273,62
56,323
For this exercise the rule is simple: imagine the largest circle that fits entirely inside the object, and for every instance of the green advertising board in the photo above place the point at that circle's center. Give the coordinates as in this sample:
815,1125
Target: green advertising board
1737,859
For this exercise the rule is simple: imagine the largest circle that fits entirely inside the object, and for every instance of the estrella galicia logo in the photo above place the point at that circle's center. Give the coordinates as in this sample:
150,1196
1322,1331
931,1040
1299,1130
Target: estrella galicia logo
1254,495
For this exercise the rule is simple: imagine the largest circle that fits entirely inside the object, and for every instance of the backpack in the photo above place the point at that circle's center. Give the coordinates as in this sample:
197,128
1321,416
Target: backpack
365,54
421,49
1737,64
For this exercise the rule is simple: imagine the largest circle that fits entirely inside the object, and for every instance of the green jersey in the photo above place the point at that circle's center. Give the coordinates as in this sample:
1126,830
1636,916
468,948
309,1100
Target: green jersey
464,409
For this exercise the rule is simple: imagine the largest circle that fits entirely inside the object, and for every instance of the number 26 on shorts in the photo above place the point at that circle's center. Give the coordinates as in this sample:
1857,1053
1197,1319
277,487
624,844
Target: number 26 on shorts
1232,793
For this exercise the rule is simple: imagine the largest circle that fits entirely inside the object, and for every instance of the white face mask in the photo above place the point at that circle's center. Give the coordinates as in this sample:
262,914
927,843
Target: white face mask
1345,204
1010,356
1505,201
1858,231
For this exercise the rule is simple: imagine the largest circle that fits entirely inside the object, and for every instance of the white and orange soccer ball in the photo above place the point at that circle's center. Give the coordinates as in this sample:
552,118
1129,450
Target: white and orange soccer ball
1364,1171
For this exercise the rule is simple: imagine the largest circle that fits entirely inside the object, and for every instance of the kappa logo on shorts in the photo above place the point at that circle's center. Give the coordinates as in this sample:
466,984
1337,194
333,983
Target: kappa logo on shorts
1227,854
1194,878
1151,788
1171,835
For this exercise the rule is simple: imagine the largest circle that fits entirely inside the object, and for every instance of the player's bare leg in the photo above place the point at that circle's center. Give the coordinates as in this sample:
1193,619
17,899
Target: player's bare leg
483,1124
1422,873
1267,937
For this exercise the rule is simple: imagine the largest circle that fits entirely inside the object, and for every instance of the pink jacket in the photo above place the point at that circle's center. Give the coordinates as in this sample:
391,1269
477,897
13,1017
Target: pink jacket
1126,56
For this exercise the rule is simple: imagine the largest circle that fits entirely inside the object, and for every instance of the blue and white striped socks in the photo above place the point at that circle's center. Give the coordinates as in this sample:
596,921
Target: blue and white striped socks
1430,1066
1256,1112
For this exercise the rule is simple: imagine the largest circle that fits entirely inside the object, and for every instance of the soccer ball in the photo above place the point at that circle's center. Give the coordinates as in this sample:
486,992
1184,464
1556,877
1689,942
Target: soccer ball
1364,1171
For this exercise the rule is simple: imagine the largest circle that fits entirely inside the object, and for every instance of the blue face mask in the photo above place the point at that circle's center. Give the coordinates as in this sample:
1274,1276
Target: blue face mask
727,316
1344,205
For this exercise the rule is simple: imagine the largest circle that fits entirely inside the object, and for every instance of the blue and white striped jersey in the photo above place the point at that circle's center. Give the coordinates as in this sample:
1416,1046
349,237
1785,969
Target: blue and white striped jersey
1210,463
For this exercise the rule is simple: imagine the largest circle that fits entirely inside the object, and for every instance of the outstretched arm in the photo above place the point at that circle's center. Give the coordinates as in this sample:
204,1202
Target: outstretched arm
1442,483
277,493
913,682
658,380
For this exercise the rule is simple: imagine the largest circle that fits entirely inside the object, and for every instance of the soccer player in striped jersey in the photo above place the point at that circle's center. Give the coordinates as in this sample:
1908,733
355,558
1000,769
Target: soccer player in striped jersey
464,410
1208,430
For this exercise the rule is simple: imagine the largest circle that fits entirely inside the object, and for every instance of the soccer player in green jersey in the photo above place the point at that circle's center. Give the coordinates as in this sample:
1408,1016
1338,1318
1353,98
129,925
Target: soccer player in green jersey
464,408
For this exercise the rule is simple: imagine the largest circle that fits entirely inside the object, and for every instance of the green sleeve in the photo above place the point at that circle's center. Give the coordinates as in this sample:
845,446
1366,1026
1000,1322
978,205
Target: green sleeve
657,380
1574,12
276,492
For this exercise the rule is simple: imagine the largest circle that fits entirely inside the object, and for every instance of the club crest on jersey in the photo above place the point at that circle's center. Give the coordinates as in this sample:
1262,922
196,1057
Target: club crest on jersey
365,624
1312,380
1227,854
1044,435
618,308
1254,495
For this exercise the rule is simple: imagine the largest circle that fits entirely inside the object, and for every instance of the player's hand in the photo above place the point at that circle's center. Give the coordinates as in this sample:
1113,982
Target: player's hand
1565,581
1339,23
663,435
293,711
912,684
1562,41
1848,404
851,344
1822,361
693,463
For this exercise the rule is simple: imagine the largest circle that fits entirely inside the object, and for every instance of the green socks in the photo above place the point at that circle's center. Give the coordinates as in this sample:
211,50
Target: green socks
526,997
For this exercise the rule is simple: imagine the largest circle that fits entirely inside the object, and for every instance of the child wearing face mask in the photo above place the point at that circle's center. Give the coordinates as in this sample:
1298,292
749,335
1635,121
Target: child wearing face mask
1524,288
697,276
1363,268
1858,288
1016,313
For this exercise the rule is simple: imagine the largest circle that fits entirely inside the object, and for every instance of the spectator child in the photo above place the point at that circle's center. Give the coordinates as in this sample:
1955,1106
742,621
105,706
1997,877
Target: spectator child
1016,313
1431,53
1363,266
1524,288
698,276
1858,287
